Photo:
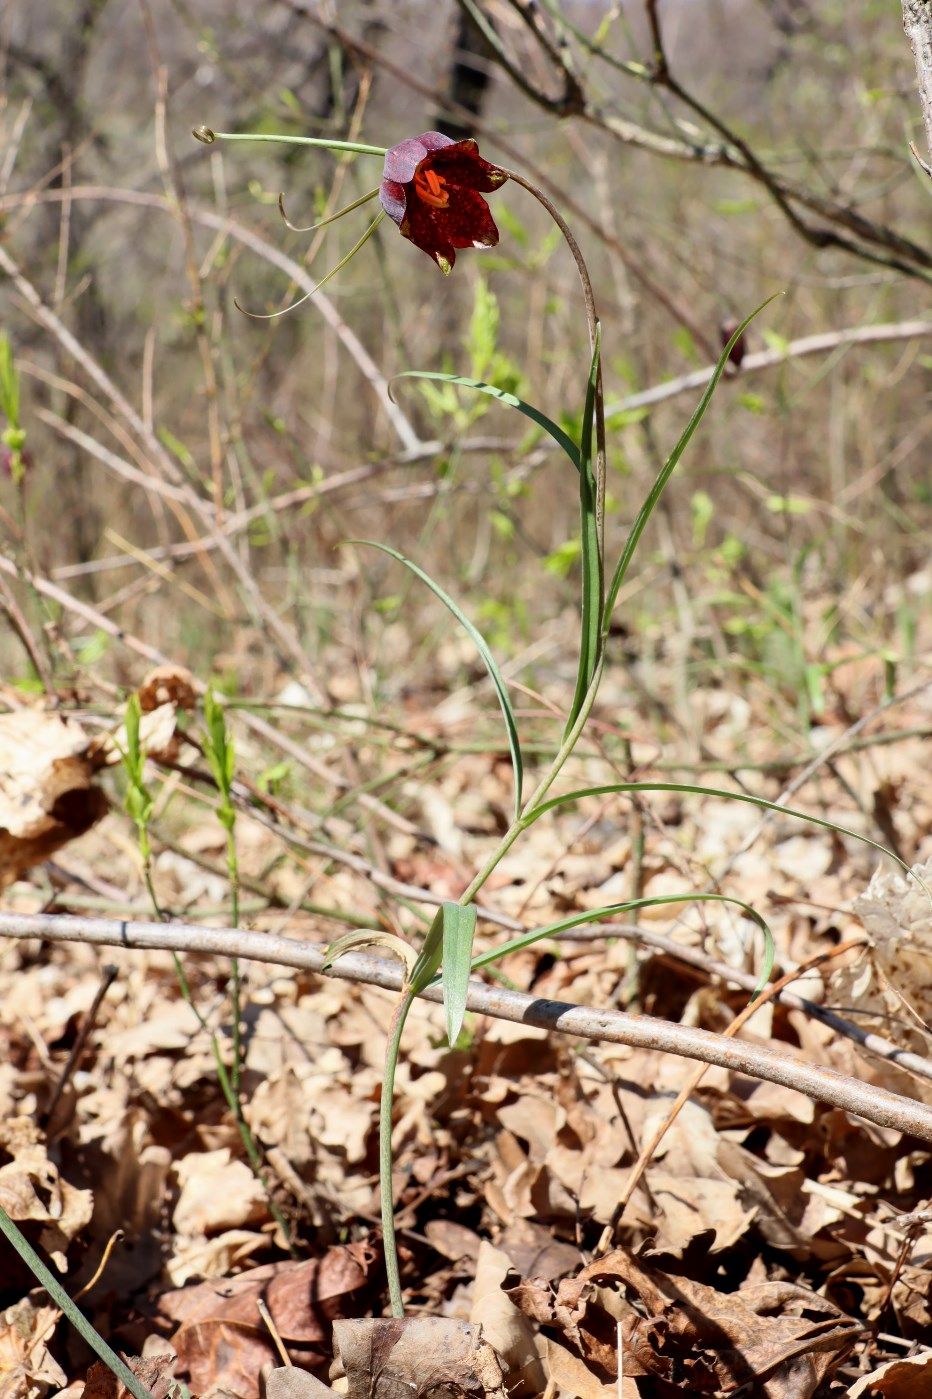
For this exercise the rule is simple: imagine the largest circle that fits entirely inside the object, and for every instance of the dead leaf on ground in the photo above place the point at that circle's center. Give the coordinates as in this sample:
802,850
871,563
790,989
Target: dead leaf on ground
27,1370
427,1357
910,1378
154,1371
777,1338
222,1342
47,794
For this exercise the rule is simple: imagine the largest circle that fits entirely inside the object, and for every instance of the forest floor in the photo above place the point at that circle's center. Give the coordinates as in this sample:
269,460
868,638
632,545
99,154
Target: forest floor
774,1246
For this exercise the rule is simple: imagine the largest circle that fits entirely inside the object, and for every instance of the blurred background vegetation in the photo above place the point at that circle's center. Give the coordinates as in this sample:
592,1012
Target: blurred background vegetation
192,473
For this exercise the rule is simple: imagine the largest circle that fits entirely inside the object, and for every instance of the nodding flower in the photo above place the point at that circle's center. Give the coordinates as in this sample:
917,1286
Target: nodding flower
432,189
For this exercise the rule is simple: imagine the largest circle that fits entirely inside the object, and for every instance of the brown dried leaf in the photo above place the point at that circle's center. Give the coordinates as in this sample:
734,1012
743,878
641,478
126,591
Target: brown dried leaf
222,1343
47,796
897,1379
155,1372
27,1370
217,1193
766,1334
503,1325
419,1358
288,1382
167,684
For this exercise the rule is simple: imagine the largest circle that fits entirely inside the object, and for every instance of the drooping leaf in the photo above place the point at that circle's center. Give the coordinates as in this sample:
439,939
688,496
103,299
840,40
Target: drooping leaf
488,660
361,938
592,915
695,789
512,400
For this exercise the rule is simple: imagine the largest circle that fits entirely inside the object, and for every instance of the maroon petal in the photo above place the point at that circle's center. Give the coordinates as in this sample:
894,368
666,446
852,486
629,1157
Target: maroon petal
466,223
461,164
402,160
393,200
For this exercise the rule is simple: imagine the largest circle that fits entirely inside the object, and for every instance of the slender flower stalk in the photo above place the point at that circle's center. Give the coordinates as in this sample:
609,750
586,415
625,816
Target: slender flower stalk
207,136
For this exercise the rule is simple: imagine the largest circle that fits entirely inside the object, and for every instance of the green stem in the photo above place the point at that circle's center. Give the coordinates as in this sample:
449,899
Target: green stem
543,787
236,1010
593,323
395,1029
60,1297
208,137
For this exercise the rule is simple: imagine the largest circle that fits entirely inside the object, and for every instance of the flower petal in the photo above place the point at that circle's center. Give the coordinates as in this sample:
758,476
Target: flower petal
393,199
465,223
402,160
461,164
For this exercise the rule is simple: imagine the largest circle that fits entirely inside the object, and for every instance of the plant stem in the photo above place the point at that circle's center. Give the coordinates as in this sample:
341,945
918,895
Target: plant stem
593,321
60,1297
395,1029
524,820
208,137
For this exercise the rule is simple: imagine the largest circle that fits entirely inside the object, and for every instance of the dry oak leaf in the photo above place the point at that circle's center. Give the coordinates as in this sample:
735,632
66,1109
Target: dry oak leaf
167,684
222,1342
288,1382
428,1357
154,1371
31,1189
910,1378
47,796
217,1193
503,1324
27,1370
779,1338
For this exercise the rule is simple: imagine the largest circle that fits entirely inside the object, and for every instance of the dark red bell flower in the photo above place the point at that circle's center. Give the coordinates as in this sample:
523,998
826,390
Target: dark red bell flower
431,189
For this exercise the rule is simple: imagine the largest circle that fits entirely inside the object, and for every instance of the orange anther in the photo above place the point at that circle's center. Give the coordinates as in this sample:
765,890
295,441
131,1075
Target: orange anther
431,189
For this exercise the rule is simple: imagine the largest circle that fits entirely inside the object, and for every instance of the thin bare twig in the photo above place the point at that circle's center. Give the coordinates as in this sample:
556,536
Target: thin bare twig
873,1043
108,976
769,359
822,1084
696,1076
283,634
844,226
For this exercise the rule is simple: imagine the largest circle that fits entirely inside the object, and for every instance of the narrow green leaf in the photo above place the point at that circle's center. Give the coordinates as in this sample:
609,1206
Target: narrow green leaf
590,639
553,930
60,1297
553,429
696,790
657,489
487,658
459,929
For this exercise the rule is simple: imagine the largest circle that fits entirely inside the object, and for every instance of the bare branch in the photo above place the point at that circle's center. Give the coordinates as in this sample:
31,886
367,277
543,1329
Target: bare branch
824,1085
917,21
768,359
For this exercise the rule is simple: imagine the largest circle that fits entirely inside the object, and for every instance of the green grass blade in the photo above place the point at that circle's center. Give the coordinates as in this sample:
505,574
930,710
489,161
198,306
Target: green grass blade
689,788
488,659
459,929
657,489
553,429
60,1297
553,930
590,640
